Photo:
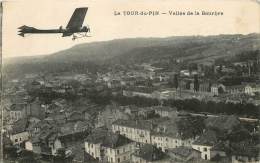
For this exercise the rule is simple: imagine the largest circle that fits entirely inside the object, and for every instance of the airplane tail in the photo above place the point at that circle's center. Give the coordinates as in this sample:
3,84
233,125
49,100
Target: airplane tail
24,29
21,34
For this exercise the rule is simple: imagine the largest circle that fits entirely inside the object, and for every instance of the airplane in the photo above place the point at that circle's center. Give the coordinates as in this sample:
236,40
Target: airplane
73,28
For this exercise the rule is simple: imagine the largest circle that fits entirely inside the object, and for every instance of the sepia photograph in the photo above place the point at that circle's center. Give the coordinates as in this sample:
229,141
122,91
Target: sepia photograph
140,81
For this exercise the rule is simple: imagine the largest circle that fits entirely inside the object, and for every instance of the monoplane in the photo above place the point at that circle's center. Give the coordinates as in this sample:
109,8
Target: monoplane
73,28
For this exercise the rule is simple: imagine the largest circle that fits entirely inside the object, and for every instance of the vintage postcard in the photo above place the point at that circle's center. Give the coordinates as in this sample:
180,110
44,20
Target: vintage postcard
120,81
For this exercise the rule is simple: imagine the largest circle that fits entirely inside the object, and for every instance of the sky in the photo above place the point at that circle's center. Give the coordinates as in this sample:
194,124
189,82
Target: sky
239,17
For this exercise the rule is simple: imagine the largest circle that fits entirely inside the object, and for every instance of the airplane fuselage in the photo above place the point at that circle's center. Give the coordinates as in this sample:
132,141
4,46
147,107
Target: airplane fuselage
35,30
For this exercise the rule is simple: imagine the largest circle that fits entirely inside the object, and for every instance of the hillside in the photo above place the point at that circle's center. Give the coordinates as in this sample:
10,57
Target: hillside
200,49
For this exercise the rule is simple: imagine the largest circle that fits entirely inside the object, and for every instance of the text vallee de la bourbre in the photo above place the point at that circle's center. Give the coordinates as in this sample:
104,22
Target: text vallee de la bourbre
169,13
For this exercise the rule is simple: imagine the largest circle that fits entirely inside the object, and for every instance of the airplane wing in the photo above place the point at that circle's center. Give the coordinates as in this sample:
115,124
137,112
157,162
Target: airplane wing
77,18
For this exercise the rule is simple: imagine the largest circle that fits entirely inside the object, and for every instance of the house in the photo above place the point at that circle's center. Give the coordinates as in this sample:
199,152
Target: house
114,84
73,131
183,154
204,144
36,109
205,87
145,112
18,111
245,152
217,89
164,111
148,153
252,88
109,115
166,135
19,133
219,151
136,130
106,146
39,126
235,89
75,116
46,143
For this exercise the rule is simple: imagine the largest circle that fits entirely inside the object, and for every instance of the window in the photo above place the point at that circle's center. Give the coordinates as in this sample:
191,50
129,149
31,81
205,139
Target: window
20,139
206,157
123,149
111,159
205,149
16,140
124,157
91,145
118,160
117,151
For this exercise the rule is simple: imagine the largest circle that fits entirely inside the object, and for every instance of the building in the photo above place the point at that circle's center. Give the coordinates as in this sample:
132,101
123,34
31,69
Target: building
46,143
235,89
204,144
217,89
148,153
252,89
167,136
36,109
245,151
165,111
107,146
183,154
136,130
19,133
109,115
18,111
205,87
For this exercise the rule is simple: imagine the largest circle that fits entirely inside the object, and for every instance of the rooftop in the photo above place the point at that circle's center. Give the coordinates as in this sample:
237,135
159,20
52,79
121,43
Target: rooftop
208,138
139,124
182,151
149,152
106,138
20,126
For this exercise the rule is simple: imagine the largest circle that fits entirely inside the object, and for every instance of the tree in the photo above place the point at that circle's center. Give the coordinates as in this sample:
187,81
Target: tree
61,157
176,82
28,157
196,83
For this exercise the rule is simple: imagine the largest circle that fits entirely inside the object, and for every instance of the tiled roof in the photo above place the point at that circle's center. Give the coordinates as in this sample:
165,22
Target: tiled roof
209,138
74,127
20,126
114,140
182,151
245,148
107,138
18,107
139,124
149,152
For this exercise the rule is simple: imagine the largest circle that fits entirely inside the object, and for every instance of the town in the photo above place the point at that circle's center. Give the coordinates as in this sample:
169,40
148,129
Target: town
148,112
